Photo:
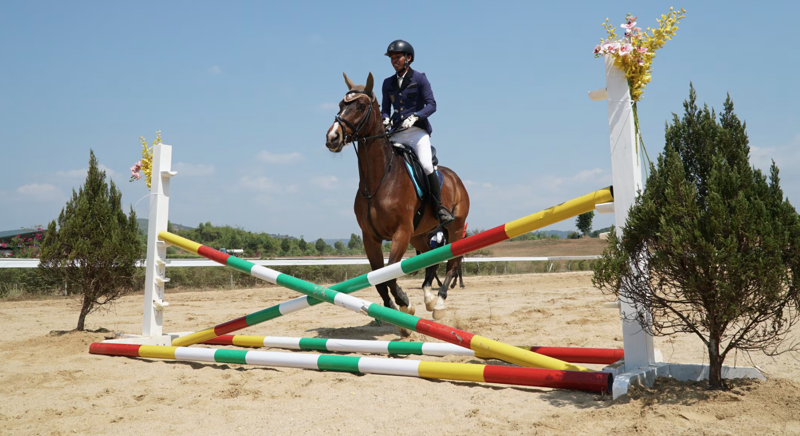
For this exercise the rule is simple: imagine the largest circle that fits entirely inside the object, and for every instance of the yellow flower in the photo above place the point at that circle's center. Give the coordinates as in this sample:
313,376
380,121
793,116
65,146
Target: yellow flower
639,75
147,157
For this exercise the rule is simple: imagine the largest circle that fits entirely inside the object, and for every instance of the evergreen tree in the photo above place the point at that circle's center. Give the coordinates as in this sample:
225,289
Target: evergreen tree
355,242
339,247
584,222
286,246
320,245
302,244
711,247
93,246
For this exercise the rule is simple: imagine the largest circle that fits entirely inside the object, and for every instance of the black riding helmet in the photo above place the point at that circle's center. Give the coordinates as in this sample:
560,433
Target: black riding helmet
401,46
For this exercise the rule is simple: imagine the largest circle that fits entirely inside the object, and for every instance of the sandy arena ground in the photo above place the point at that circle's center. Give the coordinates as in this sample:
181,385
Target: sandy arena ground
51,385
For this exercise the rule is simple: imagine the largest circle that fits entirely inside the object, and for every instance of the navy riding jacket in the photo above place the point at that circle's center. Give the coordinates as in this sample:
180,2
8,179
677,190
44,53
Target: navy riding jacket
415,96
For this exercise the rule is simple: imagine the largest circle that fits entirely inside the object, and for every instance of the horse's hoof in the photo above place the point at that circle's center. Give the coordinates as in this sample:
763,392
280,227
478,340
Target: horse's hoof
408,309
440,309
404,332
430,299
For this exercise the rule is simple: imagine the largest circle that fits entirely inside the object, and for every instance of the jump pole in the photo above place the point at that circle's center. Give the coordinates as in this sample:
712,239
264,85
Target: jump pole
491,348
484,239
578,380
567,354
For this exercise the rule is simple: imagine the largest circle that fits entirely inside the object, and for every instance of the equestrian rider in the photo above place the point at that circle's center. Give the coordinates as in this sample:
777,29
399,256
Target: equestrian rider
409,92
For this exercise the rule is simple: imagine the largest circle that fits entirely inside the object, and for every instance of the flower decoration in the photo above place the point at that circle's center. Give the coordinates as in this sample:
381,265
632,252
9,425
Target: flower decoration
135,171
635,51
146,164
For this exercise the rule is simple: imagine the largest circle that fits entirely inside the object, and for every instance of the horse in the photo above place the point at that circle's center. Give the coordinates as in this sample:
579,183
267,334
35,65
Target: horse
386,200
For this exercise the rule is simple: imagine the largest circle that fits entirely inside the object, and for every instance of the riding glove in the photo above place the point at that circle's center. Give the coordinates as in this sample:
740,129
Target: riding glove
410,121
387,124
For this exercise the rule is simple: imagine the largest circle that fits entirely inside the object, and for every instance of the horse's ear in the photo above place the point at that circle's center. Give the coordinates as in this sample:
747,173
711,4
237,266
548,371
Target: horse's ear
370,82
349,82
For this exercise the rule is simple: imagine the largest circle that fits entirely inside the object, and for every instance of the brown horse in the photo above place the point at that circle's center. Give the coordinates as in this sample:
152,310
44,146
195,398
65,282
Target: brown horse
386,200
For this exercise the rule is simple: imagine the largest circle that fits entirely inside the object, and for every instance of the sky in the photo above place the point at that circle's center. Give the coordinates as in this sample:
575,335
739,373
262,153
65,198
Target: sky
245,92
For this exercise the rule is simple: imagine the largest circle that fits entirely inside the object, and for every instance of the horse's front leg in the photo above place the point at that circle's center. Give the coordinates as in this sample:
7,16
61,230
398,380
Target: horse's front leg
375,256
399,246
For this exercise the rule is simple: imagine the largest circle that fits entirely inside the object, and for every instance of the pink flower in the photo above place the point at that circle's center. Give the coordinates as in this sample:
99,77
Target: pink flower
135,171
625,49
641,62
642,50
632,19
597,49
610,47
628,26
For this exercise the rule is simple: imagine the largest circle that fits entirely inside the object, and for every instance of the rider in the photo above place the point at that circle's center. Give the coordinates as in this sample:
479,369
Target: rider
409,92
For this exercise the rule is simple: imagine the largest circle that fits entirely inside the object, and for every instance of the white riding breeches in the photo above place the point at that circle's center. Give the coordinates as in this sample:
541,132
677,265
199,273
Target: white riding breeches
420,142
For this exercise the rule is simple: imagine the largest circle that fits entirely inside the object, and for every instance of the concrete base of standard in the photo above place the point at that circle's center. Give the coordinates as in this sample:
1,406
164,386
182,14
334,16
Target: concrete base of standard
679,371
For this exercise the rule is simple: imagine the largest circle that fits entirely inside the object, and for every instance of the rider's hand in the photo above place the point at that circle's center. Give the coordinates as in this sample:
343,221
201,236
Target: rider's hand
410,121
387,124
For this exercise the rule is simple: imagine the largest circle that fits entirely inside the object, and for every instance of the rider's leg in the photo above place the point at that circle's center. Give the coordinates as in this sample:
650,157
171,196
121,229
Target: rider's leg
423,150
420,142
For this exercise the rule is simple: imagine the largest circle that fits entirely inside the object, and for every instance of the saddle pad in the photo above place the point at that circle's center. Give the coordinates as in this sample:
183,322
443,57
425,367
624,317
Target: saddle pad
418,185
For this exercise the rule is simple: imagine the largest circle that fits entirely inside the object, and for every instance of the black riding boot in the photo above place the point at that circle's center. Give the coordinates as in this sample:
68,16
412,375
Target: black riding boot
442,214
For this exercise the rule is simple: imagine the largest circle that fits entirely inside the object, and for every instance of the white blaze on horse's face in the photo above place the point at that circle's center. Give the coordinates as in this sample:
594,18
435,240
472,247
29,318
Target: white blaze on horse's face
334,139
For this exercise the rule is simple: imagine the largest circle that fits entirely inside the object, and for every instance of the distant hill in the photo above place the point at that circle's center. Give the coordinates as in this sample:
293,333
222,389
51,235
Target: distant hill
143,223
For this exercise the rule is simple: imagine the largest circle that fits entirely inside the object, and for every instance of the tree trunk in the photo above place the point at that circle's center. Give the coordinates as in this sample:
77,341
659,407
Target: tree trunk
85,308
714,365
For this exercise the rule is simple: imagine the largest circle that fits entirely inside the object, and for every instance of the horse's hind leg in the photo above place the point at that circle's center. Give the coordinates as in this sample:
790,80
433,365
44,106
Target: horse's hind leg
430,275
459,274
420,242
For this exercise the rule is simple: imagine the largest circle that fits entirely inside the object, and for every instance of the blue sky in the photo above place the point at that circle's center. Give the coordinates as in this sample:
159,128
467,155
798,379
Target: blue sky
245,91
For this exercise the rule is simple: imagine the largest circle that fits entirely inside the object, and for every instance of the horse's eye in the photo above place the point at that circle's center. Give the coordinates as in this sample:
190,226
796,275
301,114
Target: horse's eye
362,106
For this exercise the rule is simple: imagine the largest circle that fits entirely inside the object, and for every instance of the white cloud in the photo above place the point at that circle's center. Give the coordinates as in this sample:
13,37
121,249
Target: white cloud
285,158
260,184
109,171
328,183
191,170
215,69
39,191
786,157
327,106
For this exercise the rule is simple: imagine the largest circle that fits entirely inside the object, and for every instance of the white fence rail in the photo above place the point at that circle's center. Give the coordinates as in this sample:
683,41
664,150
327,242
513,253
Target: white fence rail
33,263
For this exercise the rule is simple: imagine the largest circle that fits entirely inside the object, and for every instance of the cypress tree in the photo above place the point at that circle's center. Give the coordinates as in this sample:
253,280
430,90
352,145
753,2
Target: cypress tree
584,222
93,246
711,247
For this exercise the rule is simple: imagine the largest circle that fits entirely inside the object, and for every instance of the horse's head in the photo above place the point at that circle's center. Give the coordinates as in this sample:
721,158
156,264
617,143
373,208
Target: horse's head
355,115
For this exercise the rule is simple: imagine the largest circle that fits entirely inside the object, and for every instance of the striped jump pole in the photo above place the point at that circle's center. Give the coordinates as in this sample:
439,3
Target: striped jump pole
484,239
567,354
584,381
491,348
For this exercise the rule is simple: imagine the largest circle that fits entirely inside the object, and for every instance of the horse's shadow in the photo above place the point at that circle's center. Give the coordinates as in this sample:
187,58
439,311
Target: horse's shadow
370,331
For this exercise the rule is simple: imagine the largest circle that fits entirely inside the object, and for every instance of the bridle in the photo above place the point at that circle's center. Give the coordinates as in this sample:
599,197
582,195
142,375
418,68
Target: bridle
362,141
356,129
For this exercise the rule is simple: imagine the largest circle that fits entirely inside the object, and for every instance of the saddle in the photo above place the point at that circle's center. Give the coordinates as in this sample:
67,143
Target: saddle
417,175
